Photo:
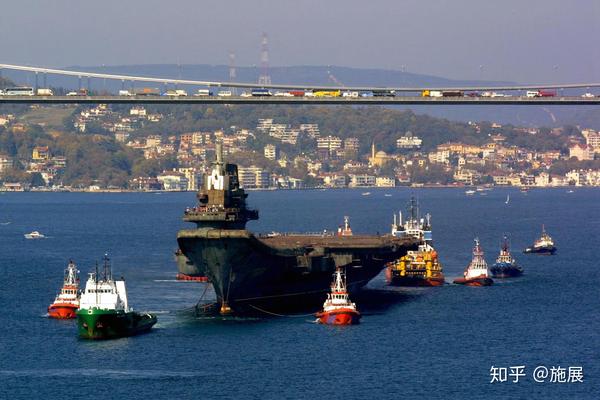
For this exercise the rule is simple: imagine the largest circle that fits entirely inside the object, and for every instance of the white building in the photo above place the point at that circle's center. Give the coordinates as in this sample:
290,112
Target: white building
271,152
329,143
582,152
194,178
253,178
385,181
359,180
5,163
409,141
173,181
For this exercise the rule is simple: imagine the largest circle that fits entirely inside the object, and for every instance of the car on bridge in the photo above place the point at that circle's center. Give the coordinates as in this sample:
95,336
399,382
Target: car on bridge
261,92
175,93
203,92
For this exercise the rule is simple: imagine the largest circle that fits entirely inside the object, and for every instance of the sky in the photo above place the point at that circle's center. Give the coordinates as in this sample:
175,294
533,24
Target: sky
527,41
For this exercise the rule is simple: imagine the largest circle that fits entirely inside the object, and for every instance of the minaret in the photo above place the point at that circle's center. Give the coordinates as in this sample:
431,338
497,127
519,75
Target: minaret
373,150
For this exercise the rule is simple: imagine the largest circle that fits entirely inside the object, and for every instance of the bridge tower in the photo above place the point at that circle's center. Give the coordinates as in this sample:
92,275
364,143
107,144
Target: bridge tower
264,78
232,73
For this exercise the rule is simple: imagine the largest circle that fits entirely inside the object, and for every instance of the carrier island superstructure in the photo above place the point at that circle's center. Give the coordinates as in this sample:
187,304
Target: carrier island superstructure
277,272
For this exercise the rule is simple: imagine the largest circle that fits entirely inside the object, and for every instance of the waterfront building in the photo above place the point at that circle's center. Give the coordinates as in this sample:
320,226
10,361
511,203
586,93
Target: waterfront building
253,177
360,180
173,181
385,181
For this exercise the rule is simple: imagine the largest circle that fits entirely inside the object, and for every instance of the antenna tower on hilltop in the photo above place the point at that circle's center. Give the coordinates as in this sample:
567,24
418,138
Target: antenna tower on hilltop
264,78
232,73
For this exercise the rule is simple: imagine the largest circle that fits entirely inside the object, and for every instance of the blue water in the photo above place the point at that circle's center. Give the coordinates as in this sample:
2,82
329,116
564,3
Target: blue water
434,343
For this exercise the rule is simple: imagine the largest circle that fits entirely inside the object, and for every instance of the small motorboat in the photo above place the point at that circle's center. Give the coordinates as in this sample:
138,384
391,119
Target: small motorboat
34,235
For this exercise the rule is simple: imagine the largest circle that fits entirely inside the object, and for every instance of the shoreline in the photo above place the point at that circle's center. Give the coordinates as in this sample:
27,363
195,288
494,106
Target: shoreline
2,191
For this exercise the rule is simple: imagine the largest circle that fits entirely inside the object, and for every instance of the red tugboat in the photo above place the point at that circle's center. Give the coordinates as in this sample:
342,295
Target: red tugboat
67,301
338,309
477,273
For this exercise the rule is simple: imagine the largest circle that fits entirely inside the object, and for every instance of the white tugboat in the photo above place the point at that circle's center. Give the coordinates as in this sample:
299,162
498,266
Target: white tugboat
345,230
338,309
104,311
544,245
477,273
66,302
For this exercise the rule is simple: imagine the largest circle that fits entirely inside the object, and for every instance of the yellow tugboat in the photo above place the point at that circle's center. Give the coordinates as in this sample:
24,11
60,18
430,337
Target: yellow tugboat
419,267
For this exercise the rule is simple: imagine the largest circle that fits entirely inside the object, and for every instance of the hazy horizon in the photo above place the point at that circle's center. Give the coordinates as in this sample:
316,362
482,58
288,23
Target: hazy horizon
533,41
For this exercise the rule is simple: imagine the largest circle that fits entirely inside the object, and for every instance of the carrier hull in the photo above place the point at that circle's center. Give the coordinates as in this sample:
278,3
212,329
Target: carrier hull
253,274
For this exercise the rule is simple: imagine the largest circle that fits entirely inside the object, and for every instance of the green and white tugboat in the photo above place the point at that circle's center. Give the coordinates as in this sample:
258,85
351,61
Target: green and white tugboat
103,309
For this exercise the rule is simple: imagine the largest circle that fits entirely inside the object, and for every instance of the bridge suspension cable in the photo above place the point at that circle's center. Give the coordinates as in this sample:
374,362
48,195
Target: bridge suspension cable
193,82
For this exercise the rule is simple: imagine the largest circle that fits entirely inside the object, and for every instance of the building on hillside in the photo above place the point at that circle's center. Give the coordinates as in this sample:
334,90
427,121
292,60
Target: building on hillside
311,129
592,138
138,112
153,140
582,152
121,136
327,146
380,158
408,141
270,152
40,153
6,163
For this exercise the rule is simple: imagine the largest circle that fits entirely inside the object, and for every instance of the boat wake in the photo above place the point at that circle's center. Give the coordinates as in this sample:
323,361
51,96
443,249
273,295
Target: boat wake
103,373
5,223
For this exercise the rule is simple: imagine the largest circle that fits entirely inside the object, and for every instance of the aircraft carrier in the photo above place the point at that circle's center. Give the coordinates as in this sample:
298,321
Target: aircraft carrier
272,273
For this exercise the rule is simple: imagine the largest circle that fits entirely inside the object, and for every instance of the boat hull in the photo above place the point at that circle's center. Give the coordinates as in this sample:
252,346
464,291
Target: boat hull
187,270
339,317
506,272
62,311
251,274
540,250
184,277
479,281
110,324
411,281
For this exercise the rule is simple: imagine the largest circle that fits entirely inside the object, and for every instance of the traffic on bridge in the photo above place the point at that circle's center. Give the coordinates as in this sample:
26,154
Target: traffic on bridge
214,92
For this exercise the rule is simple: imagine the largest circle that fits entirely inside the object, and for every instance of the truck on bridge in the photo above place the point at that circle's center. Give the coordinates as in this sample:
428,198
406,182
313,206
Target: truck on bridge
327,93
541,93
147,92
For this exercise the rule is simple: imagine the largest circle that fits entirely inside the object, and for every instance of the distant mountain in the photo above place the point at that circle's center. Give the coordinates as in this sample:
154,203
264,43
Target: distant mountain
324,75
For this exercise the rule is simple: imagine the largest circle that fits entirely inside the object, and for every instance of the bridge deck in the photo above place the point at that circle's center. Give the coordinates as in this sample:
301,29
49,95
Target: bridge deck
408,100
